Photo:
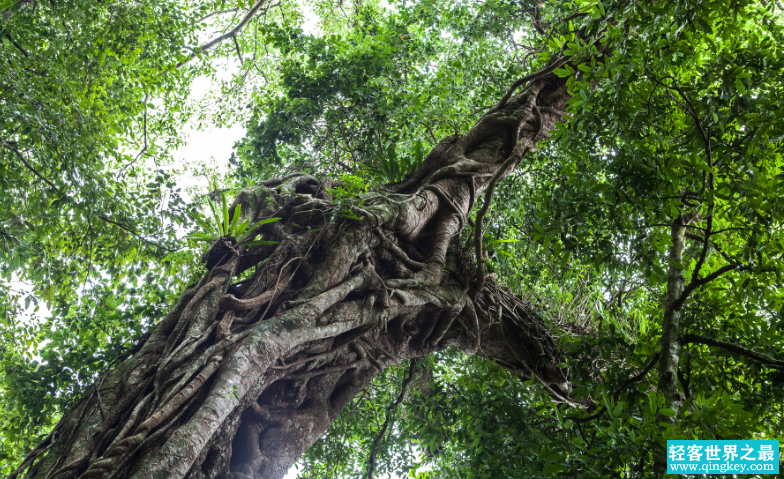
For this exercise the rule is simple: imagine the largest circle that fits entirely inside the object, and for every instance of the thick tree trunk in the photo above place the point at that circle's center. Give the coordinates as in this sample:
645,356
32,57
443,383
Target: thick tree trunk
242,377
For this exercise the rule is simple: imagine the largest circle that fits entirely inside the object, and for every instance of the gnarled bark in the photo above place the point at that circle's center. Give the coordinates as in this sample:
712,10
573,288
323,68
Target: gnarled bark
241,378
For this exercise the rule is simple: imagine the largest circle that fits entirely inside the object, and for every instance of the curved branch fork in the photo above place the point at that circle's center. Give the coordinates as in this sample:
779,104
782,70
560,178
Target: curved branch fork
241,377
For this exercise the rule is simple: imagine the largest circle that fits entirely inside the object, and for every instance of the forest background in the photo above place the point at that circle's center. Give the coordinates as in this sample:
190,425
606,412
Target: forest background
650,219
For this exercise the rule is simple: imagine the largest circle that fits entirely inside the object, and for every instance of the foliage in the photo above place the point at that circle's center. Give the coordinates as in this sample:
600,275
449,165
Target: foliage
90,106
683,118
379,84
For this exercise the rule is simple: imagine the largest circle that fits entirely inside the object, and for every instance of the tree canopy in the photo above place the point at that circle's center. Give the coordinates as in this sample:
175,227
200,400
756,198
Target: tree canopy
652,216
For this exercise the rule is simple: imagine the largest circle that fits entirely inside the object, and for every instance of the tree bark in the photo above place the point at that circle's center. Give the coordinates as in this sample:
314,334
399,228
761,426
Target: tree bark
242,377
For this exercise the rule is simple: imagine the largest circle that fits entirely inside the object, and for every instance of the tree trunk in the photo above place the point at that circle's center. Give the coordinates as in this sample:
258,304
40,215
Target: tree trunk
670,352
242,377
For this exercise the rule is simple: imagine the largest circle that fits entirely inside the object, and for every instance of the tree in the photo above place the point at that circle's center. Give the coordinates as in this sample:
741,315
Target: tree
313,286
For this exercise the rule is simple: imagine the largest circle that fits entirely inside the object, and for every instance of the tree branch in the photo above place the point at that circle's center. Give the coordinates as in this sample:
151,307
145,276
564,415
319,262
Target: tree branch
389,420
696,283
237,46
19,155
620,390
130,230
16,45
231,33
767,361
526,79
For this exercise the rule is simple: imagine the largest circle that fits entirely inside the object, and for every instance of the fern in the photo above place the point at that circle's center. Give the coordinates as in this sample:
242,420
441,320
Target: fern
223,227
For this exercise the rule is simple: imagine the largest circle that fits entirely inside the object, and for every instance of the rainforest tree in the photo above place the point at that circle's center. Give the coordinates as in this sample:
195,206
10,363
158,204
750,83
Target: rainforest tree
467,239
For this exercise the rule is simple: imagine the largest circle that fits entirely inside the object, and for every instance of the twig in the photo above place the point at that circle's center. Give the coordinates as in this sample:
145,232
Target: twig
237,46
130,230
696,283
219,12
618,391
144,130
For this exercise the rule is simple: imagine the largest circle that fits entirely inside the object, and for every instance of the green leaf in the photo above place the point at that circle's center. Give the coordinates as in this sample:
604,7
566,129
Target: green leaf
669,412
418,152
235,219
225,214
258,243
218,222
241,228
266,221
200,238
205,226
675,264
740,86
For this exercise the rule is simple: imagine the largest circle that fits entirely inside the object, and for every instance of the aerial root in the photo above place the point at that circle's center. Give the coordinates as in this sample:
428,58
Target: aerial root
224,327
472,329
184,351
398,251
313,206
303,361
130,421
443,325
115,453
231,303
206,356
430,275
184,394
327,370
